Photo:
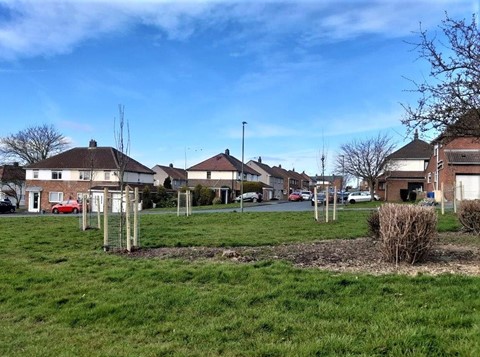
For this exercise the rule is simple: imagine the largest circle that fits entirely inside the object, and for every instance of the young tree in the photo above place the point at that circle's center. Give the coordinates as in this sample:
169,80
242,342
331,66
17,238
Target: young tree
367,158
33,144
122,143
452,90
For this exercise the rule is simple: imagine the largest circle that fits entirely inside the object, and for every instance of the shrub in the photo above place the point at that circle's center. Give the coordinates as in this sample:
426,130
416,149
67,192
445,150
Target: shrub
146,198
407,232
217,201
202,196
373,221
412,196
469,216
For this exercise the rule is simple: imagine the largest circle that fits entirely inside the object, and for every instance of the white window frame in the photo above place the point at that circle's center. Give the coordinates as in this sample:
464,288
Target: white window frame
106,175
58,198
85,175
57,173
35,174
429,177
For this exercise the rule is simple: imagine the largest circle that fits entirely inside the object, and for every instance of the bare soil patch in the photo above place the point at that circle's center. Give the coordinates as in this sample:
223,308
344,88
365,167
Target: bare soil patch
360,255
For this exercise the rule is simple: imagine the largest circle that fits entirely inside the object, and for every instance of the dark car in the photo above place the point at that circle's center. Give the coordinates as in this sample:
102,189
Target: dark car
6,207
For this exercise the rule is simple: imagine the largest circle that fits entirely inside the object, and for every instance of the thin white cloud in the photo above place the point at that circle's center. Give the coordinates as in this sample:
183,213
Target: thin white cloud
38,28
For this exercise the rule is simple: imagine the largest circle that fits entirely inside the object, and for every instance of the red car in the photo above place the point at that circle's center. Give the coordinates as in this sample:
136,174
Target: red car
295,196
70,206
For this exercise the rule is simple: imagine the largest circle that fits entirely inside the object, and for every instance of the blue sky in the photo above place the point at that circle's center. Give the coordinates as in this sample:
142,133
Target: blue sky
307,76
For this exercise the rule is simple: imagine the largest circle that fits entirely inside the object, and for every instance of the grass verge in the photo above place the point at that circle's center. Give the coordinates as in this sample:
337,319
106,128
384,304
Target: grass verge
60,295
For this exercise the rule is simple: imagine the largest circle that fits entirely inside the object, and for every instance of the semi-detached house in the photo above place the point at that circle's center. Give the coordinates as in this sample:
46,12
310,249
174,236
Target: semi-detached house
78,171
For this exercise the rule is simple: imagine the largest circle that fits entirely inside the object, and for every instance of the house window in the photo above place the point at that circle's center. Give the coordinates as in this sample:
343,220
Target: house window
436,177
440,165
35,174
209,175
56,175
85,175
429,177
55,196
106,175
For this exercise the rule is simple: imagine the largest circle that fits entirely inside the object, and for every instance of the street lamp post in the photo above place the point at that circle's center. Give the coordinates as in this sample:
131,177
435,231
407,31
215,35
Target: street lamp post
243,152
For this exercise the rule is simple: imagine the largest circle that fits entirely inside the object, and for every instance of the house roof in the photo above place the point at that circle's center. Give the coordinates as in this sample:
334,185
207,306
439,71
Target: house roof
416,149
91,158
173,172
463,157
10,173
266,168
223,162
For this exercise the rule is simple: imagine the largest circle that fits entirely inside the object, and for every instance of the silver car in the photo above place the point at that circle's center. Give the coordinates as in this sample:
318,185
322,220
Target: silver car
361,196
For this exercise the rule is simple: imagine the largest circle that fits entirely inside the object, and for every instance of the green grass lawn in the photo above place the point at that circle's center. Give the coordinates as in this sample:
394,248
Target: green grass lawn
61,295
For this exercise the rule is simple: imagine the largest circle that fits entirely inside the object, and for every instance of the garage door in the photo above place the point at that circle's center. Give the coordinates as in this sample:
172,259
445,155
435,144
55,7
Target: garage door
471,186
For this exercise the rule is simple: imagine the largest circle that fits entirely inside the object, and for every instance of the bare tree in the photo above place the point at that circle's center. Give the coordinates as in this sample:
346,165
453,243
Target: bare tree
12,182
366,159
450,96
33,144
123,149
122,143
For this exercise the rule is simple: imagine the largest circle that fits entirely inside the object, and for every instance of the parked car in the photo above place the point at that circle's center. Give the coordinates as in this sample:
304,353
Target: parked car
320,199
249,197
295,196
69,206
6,207
363,196
306,195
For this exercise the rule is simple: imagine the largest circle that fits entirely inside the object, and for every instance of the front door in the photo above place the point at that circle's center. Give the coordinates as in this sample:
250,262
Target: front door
34,202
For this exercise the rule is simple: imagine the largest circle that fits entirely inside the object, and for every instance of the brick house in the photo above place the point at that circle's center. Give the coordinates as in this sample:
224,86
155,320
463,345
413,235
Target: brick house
327,180
292,180
78,171
405,170
178,177
221,173
455,161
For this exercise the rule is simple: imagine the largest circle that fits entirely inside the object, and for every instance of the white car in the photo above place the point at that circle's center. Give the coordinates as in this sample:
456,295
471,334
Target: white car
363,196
249,196
306,195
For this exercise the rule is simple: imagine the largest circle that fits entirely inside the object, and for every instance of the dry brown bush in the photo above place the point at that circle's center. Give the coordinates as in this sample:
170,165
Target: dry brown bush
407,232
373,221
469,215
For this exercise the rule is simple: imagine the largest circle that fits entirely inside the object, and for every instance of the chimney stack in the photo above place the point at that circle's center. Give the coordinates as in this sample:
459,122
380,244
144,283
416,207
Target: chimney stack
92,144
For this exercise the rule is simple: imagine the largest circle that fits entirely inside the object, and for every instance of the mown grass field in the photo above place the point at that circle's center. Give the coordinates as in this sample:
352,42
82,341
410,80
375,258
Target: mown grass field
61,295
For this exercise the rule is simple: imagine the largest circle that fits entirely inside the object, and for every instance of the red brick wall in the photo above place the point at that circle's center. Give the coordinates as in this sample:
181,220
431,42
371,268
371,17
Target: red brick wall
448,173
70,189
